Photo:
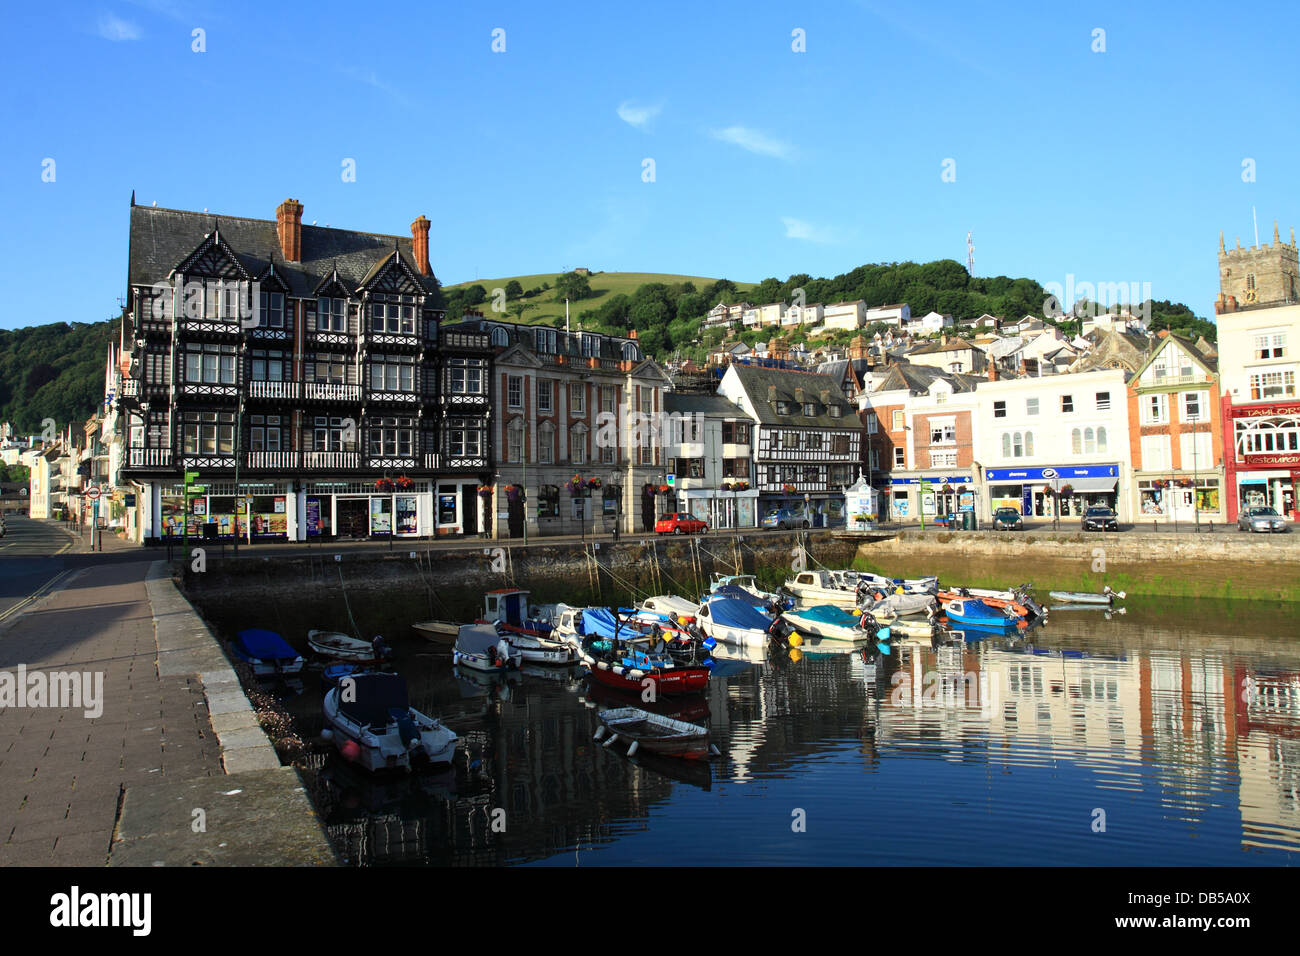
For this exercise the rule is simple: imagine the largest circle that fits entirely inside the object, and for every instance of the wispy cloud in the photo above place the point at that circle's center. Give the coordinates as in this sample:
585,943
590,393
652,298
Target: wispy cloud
806,231
635,115
116,29
371,78
754,141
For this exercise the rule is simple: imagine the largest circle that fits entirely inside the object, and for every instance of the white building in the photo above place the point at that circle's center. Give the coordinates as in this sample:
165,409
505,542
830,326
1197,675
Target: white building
1035,436
709,451
898,314
845,315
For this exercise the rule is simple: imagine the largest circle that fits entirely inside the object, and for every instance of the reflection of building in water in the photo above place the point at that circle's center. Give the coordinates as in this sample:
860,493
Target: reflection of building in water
1268,728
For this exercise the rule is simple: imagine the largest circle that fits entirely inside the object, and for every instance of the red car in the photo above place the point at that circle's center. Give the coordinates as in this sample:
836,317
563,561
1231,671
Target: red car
680,522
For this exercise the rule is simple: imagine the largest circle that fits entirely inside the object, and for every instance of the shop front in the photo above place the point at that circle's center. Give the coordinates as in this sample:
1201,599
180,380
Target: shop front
930,495
820,509
722,508
1264,468
366,510
1179,497
218,513
1034,492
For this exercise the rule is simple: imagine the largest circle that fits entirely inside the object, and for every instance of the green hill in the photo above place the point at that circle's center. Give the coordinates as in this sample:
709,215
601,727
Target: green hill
542,307
53,371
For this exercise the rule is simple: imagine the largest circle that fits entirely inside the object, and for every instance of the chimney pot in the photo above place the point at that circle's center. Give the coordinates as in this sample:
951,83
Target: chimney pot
288,225
420,244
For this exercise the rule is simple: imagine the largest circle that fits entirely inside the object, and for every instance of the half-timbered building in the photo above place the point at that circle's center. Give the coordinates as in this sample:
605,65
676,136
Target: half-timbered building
299,376
808,437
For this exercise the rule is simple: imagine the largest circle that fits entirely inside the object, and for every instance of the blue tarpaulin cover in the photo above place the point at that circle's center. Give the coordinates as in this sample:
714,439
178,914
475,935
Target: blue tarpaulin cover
737,593
731,612
264,645
601,621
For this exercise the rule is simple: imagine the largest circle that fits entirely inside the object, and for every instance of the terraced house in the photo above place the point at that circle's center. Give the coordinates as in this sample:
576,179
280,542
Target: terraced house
806,450
571,405
301,377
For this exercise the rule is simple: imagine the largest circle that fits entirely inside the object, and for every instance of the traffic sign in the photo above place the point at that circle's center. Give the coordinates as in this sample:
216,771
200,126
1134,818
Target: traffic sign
672,481
92,492
191,477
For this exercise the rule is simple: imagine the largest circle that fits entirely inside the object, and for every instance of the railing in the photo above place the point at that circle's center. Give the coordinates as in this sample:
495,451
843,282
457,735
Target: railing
130,388
331,459
150,458
1159,379
331,391
432,459
278,390
271,459
464,340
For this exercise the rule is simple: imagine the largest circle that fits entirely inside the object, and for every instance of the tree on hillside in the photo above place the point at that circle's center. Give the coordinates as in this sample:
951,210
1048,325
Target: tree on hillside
572,286
474,295
513,289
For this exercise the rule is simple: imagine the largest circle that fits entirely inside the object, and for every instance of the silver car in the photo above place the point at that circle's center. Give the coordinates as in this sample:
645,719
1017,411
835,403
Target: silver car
1261,519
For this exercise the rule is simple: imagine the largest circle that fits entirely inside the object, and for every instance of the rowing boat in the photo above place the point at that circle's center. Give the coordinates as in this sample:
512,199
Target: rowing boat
655,733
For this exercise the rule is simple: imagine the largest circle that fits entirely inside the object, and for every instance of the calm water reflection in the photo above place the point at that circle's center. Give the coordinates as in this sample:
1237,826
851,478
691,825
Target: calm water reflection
1182,736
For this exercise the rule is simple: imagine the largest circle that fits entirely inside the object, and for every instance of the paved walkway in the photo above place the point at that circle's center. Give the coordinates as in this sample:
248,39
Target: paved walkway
62,773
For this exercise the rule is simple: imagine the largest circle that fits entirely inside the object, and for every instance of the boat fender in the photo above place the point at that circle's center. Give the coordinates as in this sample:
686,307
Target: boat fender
600,732
714,751
350,750
631,751
635,674
613,738
327,734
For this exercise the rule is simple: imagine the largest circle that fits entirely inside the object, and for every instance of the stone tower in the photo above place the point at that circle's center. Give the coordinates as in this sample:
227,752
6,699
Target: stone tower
1268,274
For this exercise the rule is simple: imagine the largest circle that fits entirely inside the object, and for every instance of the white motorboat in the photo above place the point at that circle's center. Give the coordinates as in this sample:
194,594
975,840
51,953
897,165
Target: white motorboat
835,624
746,582
735,622
479,647
440,632
669,606
820,587
902,605
926,585
376,726
542,650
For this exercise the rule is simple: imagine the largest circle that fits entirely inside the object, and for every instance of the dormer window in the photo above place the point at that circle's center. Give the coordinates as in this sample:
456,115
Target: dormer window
783,408
809,410
500,338
392,317
272,310
837,412
331,315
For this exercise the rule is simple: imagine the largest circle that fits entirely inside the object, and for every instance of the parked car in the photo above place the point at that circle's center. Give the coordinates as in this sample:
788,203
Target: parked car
1098,518
784,518
1261,519
1008,519
680,522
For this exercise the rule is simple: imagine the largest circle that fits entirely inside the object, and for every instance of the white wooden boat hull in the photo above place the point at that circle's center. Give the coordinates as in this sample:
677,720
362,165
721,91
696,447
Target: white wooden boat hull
440,632
826,631
385,750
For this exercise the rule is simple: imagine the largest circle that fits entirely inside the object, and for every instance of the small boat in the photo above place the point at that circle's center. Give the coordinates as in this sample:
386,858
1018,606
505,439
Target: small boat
1104,608
343,647
900,605
1107,596
743,582
821,587
836,624
879,582
377,728
509,608
671,607
642,730
479,647
976,613
440,632
692,708
540,650
266,652
629,664
1019,599
735,622
334,673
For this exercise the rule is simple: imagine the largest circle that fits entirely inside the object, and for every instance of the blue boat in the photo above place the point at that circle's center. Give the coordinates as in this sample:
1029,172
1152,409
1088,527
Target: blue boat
972,613
266,652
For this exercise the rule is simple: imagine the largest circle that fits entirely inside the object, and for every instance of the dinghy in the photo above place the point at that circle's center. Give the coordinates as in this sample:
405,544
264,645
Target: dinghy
642,730
1107,596
440,632
901,605
266,652
343,647
479,647
541,650
743,582
670,607
377,728
628,665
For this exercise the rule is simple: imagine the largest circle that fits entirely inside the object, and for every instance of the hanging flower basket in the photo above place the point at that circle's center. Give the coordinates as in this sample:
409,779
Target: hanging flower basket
404,483
1158,484
384,484
961,489
1185,483
593,482
947,488
485,491
514,492
575,485
727,486
741,486
789,489
1066,490
664,489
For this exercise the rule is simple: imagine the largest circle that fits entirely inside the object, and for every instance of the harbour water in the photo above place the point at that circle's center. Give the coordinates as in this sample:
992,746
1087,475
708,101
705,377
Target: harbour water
1166,736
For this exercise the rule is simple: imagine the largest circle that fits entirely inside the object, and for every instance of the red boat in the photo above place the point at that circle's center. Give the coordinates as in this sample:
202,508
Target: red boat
627,668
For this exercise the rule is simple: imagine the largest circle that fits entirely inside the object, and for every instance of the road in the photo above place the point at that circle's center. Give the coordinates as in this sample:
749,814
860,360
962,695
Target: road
35,556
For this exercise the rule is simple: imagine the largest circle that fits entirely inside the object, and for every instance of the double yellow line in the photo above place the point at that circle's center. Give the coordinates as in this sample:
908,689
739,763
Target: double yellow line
36,595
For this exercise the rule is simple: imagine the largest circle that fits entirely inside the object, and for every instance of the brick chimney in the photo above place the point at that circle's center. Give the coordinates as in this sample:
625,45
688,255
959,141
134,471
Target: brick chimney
288,225
993,370
420,243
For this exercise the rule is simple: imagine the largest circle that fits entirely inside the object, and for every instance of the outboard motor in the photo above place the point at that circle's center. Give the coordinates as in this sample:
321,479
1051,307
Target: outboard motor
382,651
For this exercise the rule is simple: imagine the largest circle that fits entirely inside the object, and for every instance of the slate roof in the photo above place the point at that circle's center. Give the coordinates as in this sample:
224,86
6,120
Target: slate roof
756,382
919,378
701,403
161,239
566,343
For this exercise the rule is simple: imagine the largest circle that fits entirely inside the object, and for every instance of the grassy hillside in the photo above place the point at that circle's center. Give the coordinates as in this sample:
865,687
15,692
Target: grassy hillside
605,285
53,371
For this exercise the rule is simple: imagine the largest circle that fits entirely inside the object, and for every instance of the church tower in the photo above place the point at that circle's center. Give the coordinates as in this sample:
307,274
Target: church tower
1268,274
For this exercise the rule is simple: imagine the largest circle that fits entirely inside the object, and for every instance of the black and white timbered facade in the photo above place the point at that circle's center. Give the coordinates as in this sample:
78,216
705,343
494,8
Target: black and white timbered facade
806,449
303,374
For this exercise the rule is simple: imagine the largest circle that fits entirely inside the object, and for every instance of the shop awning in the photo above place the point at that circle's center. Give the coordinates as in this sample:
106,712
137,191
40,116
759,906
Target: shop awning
1088,485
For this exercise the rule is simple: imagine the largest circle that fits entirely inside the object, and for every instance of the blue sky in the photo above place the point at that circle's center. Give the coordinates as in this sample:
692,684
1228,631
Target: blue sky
1115,166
